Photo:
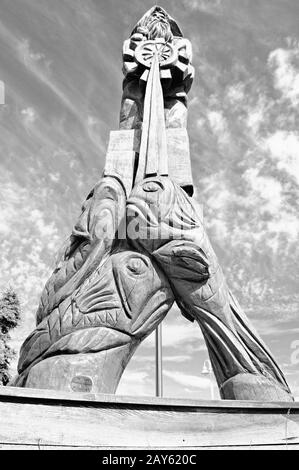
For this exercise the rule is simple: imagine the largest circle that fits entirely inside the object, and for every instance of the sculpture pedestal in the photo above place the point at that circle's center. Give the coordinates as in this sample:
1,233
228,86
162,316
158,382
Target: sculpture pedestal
44,419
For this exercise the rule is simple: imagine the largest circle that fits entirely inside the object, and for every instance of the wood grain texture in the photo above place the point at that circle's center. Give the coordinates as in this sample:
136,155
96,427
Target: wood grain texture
176,238
124,146
102,299
120,157
41,419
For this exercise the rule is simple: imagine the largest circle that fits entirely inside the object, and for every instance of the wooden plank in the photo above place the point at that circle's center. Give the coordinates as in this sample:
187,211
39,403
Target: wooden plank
48,419
42,446
93,399
125,144
112,427
120,158
179,162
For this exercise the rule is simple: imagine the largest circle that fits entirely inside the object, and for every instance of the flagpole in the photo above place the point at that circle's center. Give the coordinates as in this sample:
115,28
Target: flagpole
159,376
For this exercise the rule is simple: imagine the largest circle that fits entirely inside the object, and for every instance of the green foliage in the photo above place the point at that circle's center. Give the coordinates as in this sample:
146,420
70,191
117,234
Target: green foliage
9,319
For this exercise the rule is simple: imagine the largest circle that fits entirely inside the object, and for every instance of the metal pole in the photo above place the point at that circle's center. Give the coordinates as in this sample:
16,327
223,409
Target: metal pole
159,377
211,385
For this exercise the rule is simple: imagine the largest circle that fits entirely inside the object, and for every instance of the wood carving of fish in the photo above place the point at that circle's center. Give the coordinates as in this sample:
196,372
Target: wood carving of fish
103,294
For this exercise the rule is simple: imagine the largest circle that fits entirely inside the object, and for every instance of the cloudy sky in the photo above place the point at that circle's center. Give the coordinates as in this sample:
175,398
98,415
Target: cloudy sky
60,61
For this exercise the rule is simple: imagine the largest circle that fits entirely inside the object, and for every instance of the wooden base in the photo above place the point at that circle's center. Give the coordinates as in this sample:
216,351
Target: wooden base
42,419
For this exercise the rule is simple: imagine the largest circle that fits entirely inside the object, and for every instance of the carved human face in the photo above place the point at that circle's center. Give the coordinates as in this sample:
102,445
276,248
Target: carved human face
158,26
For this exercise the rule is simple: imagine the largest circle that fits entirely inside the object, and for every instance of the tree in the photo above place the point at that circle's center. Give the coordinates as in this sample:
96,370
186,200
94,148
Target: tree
9,319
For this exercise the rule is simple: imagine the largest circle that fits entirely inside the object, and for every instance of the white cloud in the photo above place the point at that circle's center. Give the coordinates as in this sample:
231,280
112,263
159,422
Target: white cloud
94,130
45,228
176,358
283,147
177,334
39,66
235,93
287,223
284,64
135,383
266,187
55,177
209,6
28,239
148,358
28,55
188,380
219,127
257,114
29,116
194,101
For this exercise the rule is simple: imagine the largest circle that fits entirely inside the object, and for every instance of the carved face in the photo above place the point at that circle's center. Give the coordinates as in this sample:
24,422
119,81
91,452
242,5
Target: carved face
158,14
156,25
159,27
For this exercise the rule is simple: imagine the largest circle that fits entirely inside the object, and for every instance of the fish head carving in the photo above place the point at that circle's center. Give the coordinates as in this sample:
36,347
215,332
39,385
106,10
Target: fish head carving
128,294
125,292
158,210
97,231
143,288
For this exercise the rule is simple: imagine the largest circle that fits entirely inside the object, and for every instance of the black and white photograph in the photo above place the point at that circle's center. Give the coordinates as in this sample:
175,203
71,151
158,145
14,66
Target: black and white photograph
149,228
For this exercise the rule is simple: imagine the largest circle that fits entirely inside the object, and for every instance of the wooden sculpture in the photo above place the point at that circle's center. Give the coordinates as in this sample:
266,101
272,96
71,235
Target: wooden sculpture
140,244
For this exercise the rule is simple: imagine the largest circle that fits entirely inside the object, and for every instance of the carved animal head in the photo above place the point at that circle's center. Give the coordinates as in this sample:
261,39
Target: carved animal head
130,289
94,235
158,210
123,300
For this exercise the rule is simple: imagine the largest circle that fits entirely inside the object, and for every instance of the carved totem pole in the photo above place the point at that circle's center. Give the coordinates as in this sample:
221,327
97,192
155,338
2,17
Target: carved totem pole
140,244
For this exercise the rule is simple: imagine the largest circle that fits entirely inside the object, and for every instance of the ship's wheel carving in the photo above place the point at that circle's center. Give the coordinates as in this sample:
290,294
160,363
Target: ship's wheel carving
145,52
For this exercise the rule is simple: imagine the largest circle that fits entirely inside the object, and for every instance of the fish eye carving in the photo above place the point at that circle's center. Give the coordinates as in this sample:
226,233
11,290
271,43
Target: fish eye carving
152,186
137,266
